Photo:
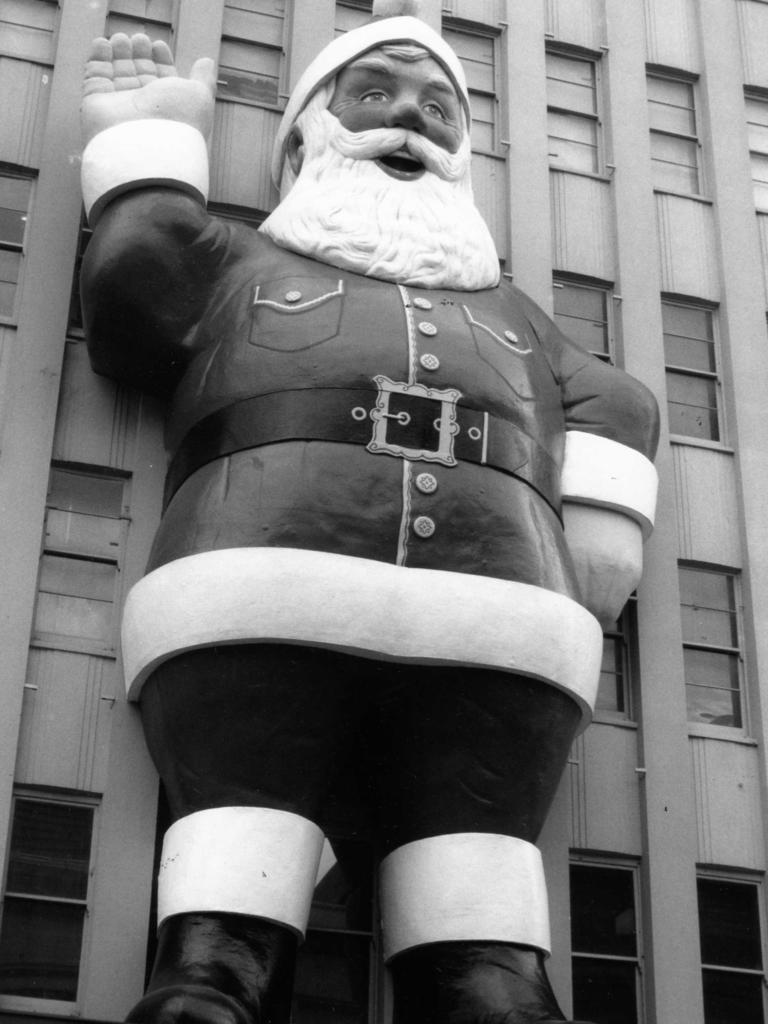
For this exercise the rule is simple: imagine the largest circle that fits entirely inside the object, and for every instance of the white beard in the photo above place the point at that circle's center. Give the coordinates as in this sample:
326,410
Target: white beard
345,210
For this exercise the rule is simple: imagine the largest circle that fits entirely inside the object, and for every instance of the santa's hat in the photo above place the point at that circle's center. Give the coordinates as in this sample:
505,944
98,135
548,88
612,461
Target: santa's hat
394,21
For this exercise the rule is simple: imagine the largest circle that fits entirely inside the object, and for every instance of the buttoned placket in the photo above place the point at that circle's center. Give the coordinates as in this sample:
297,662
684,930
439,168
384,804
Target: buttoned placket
421,527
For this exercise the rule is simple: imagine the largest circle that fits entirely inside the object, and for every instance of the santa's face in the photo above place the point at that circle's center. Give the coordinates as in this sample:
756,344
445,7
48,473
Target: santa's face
380,91
377,177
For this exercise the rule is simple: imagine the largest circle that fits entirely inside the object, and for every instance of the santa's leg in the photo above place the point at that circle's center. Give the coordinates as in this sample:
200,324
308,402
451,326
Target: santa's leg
469,765
246,740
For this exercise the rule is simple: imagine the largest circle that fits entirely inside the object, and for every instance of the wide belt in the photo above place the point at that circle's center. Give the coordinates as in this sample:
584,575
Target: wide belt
409,421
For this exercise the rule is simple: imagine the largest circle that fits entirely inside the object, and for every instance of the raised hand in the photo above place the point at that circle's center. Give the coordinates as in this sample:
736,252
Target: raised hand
132,78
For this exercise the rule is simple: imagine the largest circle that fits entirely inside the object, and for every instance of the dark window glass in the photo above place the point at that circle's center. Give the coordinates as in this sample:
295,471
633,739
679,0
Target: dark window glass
605,991
334,963
730,924
731,998
603,911
44,904
581,313
50,849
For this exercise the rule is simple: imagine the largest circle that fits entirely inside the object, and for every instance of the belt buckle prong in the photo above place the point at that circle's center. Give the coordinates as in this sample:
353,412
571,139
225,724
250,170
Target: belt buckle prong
445,423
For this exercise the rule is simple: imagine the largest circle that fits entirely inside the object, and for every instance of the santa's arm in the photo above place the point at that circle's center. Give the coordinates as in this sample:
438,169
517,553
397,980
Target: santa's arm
609,482
148,269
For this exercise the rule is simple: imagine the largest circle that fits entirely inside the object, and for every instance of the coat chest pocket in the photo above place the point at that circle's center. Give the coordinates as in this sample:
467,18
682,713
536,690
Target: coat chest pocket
291,314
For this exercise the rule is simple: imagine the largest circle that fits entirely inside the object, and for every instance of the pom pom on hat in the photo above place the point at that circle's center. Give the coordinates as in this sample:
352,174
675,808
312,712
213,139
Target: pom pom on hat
396,8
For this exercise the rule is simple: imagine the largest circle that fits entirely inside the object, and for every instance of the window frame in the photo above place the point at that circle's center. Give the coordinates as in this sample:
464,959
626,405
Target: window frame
108,647
626,635
282,67
562,280
679,77
714,376
28,174
753,95
632,866
721,731
755,882
597,119
492,35
45,795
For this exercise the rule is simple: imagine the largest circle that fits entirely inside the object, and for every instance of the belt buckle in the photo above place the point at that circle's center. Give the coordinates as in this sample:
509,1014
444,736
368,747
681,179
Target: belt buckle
445,423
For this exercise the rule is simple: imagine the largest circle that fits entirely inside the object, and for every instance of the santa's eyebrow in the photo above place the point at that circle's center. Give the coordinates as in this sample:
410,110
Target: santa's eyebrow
382,65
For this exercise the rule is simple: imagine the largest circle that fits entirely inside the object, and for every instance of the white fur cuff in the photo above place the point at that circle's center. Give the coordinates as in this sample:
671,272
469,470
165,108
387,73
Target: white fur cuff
598,471
240,860
363,607
463,887
138,154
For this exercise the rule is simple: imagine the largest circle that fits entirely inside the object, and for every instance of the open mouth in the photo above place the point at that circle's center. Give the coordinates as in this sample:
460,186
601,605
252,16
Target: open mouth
401,165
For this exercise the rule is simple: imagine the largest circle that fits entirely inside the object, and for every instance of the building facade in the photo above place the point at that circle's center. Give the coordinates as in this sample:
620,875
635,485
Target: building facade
621,161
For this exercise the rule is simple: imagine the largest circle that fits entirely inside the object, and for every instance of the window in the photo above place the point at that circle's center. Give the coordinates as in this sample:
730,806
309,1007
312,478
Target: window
477,52
46,892
250,59
15,192
572,112
27,29
708,601
153,17
604,944
79,569
757,126
674,141
619,650
352,14
731,952
693,387
583,313
333,975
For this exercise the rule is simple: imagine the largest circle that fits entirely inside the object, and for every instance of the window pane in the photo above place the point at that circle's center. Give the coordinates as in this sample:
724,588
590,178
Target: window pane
14,203
10,264
711,706
573,141
26,28
610,694
343,899
581,315
675,163
40,947
671,106
711,668
571,84
732,998
604,991
692,404
50,849
75,598
729,921
85,492
687,321
602,911
760,180
248,71
332,978
708,602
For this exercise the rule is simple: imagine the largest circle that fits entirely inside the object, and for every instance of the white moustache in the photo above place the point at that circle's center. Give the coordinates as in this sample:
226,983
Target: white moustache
380,142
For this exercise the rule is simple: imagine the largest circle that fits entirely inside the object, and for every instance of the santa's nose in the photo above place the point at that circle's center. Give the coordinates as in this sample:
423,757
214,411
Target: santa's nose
405,114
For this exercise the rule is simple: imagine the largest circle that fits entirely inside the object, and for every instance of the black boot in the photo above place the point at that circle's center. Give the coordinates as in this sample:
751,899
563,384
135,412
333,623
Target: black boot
473,983
219,969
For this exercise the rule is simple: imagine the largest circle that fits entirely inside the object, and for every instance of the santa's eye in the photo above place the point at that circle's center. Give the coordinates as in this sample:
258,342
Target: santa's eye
374,96
435,111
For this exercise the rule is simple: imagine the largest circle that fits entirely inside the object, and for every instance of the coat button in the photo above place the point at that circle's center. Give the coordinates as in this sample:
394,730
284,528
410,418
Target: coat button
429,361
511,336
427,328
424,527
426,483
293,296
422,303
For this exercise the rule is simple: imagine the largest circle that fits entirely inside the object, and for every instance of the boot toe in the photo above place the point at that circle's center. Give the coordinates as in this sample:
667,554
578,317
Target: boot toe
188,1004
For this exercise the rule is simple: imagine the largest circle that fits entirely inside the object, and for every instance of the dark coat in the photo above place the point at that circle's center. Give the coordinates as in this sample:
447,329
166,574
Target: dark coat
214,315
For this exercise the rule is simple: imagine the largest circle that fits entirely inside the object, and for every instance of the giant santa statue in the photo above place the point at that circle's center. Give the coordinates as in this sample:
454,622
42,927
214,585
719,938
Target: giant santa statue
399,502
